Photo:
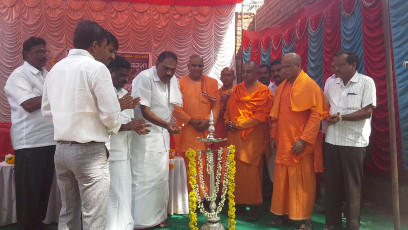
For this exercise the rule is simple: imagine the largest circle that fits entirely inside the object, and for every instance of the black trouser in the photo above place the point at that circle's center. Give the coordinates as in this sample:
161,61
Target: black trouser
34,172
343,174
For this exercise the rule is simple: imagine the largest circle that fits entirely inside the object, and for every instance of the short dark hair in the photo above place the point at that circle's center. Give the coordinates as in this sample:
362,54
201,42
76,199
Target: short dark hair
351,57
112,39
87,32
118,63
265,66
166,54
29,43
275,62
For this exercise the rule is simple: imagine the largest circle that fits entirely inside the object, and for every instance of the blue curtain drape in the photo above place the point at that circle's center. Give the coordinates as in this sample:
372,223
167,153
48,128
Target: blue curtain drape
399,29
266,55
246,54
288,48
315,55
352,34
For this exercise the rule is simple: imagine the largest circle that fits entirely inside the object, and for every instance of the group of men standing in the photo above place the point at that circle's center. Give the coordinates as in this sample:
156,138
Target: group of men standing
111,147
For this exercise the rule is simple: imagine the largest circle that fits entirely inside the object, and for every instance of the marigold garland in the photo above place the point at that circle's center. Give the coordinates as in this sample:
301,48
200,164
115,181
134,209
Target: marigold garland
10,159
231,188
192,172
192,195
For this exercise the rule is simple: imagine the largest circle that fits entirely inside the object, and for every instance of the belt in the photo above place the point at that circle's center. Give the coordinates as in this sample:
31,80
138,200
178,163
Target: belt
76,143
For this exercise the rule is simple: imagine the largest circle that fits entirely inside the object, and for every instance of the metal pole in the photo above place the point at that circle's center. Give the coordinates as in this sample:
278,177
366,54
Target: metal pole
391,114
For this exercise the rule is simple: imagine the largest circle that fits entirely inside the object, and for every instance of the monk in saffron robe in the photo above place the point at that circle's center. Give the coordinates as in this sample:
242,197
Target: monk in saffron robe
200,96
248,129
299,106
227,79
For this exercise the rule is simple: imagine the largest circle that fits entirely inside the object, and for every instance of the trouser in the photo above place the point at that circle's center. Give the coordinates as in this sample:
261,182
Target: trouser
34,172
83,179
343,174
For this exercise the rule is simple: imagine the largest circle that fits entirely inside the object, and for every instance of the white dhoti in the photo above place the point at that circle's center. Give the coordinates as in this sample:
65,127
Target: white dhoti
150,189
118,214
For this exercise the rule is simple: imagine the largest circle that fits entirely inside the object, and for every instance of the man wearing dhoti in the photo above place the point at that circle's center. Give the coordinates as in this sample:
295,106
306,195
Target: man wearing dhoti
159,92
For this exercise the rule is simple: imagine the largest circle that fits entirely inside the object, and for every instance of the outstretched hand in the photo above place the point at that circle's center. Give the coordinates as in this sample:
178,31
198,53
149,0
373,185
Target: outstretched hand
128,102
139,126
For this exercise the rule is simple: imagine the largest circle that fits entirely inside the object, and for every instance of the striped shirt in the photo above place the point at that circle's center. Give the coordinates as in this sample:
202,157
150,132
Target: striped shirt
346,99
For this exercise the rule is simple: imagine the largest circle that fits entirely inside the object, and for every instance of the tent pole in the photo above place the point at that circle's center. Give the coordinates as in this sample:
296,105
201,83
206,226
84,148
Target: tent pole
391,114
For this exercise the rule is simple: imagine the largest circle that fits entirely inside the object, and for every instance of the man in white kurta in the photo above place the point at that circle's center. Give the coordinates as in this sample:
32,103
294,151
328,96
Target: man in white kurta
159,92
118,209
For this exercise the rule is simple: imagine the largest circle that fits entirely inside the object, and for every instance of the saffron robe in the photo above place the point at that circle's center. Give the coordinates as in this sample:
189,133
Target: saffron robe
249,109
296,114
220,130
199,98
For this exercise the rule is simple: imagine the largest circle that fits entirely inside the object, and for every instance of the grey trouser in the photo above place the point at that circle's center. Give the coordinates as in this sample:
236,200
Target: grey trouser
83,179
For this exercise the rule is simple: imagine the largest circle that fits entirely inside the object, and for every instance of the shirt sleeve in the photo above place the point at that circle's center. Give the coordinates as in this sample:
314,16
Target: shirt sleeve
217,107
106,99
18,88
142,87
45,104
369,93
312,128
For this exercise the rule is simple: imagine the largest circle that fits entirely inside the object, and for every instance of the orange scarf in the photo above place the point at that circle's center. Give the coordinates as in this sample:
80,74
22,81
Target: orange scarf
305,95
243,105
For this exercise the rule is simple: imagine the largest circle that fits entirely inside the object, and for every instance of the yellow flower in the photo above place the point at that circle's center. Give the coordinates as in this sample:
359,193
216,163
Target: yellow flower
10,159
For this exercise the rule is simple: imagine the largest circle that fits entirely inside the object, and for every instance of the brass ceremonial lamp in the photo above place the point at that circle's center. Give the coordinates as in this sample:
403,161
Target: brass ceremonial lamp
213,220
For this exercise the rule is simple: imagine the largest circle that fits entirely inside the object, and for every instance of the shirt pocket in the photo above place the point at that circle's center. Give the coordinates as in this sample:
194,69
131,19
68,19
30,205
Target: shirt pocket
353,100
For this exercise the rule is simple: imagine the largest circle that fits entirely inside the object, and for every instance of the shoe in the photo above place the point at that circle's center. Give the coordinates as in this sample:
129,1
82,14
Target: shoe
305,225
280,221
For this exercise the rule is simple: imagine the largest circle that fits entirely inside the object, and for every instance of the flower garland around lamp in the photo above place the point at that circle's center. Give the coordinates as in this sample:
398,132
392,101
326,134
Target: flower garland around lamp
10,158
191,154
228,182
231,188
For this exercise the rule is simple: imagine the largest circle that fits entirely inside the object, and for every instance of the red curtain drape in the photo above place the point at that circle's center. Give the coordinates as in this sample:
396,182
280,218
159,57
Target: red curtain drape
183,2
331,37
256,50
266,41
276,49
374,60
301,41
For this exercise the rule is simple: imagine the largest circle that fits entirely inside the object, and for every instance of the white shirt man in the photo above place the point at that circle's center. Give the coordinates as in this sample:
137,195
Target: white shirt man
159,92
31,135
80,100
352,98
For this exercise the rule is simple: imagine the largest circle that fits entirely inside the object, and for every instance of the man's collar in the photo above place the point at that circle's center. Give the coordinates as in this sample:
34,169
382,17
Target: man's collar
32,68
155,76
80,52
355,77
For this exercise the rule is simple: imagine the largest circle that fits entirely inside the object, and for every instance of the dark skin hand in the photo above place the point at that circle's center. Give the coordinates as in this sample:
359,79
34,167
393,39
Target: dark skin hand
231,126
128,102
361,114
200,125
296,148
152,117
32,104
139,126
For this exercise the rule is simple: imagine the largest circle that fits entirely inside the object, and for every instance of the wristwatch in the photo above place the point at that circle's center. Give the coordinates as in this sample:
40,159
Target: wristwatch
340,117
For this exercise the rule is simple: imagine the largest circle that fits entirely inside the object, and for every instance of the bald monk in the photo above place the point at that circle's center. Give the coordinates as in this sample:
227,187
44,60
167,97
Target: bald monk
200,96
227,79
299,106
247,123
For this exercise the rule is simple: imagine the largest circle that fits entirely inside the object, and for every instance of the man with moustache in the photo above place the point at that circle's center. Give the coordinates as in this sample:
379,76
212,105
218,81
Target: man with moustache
118,209
80,100
32,136
247,123
159,92
352,99
264,74
276,73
